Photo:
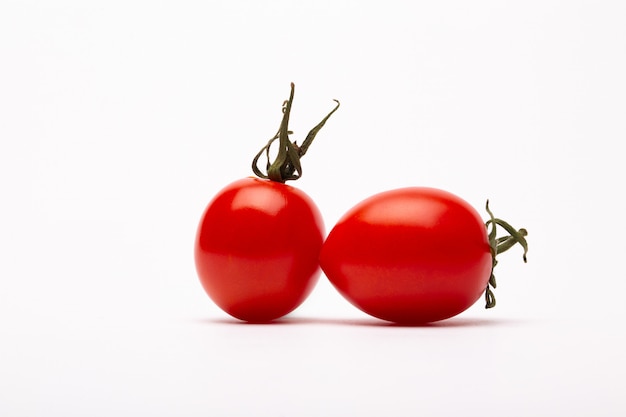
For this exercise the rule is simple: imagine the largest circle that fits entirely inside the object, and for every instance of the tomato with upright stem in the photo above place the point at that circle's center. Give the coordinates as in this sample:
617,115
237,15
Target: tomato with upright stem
415,255
258,241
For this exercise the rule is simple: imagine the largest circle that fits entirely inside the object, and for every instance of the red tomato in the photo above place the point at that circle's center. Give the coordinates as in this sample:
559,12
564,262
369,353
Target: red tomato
412,255
257,249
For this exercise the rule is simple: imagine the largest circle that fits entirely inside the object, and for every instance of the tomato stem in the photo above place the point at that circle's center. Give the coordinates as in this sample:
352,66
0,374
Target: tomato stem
287,165
499,245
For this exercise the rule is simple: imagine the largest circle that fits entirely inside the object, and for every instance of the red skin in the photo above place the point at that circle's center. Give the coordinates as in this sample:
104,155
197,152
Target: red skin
412,255
257,249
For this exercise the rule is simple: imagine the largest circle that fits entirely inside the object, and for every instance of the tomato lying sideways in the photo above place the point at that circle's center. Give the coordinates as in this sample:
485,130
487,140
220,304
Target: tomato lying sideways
258,241
414,255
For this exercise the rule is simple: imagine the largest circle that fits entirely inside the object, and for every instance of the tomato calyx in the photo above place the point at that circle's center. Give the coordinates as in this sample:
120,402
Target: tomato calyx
287,165
499,245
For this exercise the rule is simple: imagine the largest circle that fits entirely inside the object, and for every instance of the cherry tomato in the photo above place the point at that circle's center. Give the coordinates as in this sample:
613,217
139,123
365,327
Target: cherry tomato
257,249
411,255
258,241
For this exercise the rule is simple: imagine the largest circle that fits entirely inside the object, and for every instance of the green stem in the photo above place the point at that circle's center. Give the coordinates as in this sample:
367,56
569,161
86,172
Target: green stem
499,245
287,165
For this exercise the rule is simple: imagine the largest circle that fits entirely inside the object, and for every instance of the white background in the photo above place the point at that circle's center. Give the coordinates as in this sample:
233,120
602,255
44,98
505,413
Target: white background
119,120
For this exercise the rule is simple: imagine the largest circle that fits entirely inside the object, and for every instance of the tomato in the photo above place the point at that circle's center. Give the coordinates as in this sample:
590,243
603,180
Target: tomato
257,249
411,255
258,242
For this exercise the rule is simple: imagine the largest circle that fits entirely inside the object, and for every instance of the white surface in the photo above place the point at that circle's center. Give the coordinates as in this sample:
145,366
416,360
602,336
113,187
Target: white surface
120,120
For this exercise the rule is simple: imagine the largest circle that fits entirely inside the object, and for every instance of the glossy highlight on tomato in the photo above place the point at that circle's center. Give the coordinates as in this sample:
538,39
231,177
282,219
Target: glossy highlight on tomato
412,255
257,249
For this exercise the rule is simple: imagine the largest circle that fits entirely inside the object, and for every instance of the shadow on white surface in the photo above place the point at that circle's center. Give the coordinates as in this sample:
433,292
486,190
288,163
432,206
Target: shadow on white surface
365,322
